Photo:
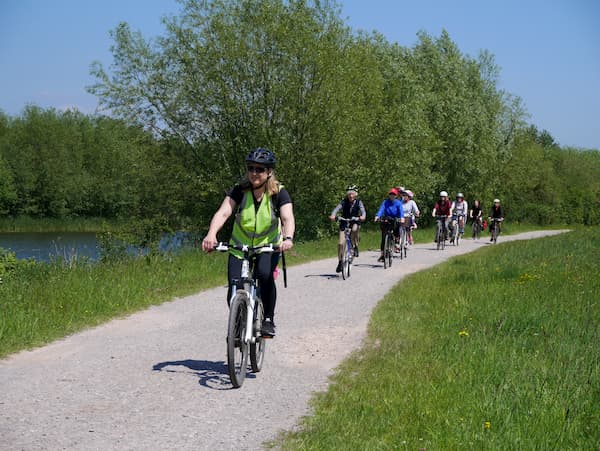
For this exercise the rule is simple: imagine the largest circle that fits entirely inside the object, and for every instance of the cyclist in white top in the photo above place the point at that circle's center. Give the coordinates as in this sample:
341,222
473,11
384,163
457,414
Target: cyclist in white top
411,211
460,209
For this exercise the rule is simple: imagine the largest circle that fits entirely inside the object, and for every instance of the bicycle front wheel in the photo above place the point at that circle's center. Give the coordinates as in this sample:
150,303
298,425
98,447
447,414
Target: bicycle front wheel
402,241
347,263
344,259
390,249
237,349
257,349
386,242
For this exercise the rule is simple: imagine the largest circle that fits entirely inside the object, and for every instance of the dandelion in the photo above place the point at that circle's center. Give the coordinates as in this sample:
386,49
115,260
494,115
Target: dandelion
463,333
487,425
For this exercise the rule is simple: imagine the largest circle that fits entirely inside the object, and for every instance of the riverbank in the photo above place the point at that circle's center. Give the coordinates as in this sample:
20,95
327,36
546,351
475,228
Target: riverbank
50,225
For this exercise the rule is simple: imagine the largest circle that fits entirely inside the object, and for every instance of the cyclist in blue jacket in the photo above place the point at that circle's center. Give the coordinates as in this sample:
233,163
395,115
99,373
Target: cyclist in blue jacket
391,213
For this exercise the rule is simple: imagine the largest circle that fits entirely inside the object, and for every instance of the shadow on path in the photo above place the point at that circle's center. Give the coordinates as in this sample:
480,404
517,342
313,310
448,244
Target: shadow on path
210,374
327,276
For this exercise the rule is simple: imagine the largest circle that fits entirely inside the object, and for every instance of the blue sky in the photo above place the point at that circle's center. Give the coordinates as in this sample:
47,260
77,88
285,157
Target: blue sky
548,51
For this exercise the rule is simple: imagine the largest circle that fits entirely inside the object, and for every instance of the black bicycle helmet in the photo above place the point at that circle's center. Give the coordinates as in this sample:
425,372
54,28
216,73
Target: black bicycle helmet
261,156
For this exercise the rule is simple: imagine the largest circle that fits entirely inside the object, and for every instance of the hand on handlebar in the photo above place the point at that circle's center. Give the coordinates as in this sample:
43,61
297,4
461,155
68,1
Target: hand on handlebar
209,243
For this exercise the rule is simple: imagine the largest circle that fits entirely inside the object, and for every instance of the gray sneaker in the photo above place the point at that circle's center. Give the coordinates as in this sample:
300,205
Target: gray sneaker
268,328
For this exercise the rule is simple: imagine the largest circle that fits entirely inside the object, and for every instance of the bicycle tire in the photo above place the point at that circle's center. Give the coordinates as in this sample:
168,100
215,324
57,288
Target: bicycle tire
438,236
237,350
444,233
348,261
257,349
344,259
385,250
390,251
402,240
475,230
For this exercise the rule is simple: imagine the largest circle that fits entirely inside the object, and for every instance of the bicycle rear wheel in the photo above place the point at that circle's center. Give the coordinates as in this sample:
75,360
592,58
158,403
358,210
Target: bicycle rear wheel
237,350
257,349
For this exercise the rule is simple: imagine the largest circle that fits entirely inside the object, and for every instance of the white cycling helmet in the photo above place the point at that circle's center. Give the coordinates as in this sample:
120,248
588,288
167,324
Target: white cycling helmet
410,193
496,201
460,195
443,194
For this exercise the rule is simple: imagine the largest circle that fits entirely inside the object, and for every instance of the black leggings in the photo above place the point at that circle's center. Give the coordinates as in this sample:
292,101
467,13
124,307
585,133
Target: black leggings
265,265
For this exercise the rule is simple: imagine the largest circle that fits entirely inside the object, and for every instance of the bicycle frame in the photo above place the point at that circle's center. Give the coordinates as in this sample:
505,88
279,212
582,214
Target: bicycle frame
247,283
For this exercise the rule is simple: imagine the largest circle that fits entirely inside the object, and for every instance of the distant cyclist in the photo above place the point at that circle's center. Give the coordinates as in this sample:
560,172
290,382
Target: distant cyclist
443,207
476,214
259,203
411,212
496,213
351,207
391,210
460,209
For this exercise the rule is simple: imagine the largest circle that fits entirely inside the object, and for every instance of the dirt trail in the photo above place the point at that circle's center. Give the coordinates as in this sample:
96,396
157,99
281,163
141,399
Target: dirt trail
157,379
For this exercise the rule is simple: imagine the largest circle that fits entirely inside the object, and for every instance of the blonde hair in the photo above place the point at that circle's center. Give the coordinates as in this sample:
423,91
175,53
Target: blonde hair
272,184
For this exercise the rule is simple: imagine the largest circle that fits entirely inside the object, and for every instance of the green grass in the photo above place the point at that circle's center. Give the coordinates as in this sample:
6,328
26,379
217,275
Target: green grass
493,350
44,302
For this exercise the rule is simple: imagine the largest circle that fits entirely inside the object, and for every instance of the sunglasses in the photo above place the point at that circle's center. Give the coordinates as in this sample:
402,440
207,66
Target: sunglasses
257,169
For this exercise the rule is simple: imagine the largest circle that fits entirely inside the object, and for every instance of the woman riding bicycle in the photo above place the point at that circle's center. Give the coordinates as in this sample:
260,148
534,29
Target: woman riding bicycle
497,214
390,209
443,208
411,212
460,208
476,214
264,214
351,207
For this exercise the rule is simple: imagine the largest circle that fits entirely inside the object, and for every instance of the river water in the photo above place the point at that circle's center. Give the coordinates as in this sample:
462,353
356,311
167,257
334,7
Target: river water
46,246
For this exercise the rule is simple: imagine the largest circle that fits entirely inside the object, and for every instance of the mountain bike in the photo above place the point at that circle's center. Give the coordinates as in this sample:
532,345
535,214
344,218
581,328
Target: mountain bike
495,228
440,232
246,314
347,251
389,241
476,228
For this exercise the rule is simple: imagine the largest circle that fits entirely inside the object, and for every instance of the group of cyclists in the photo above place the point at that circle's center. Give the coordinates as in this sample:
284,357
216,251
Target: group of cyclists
264,215
400,210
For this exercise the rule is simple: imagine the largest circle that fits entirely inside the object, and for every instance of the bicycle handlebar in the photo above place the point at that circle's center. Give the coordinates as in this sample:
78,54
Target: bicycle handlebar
353,218
224,247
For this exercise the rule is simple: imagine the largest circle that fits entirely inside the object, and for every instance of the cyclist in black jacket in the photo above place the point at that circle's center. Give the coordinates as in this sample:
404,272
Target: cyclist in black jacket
351,207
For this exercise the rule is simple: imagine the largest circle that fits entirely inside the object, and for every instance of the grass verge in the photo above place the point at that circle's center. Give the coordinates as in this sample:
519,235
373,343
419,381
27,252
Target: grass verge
43,302
492,350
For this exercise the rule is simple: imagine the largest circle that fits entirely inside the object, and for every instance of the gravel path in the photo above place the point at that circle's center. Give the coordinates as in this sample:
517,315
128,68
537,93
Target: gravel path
157,379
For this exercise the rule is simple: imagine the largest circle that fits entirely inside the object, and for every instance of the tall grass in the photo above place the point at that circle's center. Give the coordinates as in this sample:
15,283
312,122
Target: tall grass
43,302
494,350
